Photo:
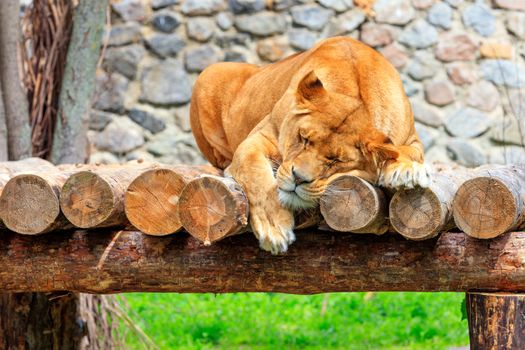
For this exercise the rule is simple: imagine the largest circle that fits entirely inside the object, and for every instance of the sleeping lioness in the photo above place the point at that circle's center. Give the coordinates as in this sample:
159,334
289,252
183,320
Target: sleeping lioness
285,130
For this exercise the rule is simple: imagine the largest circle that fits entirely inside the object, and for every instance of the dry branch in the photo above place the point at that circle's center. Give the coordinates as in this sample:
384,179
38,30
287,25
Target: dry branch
492,203
151,201
108,262
351,204
423,213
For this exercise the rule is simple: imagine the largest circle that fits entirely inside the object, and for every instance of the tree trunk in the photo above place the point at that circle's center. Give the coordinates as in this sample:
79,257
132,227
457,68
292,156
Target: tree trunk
4,155
15,99
70,139
496,320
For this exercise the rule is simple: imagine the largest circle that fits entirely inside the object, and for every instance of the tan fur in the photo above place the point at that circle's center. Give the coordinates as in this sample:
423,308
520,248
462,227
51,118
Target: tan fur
287,129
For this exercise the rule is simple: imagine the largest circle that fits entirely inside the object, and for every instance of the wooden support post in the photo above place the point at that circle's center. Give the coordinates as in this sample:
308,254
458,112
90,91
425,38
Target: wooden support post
212,208
94,198
151,201
496,320
423,213
30,203
491,203
351,204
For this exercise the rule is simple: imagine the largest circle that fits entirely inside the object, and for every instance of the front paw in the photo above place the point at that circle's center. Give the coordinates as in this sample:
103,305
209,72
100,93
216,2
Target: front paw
273,228
404,174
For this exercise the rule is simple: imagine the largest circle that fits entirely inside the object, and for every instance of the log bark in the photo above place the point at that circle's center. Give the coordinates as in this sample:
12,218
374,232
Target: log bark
4,152
94,198
423,213
15,99
30,203
496,320
492,203
152,199
351,204
70,139
212,208
108,261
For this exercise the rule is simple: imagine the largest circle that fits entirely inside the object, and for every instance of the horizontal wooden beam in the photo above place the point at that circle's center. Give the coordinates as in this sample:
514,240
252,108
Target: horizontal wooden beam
106,261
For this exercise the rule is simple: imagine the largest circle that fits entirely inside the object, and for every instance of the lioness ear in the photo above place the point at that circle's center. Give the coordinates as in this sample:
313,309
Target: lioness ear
379,149
310,88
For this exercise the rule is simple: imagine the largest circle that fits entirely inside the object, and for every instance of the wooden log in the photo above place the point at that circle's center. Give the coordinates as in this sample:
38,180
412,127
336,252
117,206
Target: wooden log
212,208
423,213
151,200
351,204
496,320
94,198
491,203
30,203
108,261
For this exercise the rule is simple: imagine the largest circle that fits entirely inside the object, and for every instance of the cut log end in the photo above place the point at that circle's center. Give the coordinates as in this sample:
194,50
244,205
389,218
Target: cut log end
87,200
212,208
351,204
484,207
416,214
30,205
151,202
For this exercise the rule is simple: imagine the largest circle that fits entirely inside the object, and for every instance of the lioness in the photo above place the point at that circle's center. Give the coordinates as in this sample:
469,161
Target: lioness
285,130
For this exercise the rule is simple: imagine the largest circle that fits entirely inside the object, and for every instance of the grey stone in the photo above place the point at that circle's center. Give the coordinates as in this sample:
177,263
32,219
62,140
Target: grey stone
427,135
427,115
228,40
202,7
375,34
508,130
246,6
261,23
507,155
280,5
182,117
98,120
503,73
272,49
234,56
166,83
140,155
124,60
480,18
439,92
337,5
419,35
120,136
465,153
165,142
110,92
397,12
165,45
395,55
200,28
516,24
483,96
454,3
515,105
461,73
311,16
200,57
467,123
158,4
130,10
147,120
124,34
423,65
440,15
224,20
103,158
183,154
346,22
302,38
409,85
511,4
454,46
166,21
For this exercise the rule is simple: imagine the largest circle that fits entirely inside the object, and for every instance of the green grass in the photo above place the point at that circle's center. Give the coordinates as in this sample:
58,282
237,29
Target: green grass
280,321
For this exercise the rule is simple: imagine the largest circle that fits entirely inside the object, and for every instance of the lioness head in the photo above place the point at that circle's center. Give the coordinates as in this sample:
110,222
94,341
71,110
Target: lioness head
325,135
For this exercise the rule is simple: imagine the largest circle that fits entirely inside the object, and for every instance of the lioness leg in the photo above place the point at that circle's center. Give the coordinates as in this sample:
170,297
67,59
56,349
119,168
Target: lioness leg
408,169
252,168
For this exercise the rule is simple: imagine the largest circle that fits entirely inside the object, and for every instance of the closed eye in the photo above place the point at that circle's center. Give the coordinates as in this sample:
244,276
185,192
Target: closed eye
333,160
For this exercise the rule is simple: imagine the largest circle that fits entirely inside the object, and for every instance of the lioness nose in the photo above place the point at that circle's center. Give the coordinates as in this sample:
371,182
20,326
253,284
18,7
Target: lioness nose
299,179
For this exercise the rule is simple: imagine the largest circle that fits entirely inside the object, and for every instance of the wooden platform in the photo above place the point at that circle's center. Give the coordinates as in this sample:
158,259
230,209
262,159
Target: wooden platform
108,261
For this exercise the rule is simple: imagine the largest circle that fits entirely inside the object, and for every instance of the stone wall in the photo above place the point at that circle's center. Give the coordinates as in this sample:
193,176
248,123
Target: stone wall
462,63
